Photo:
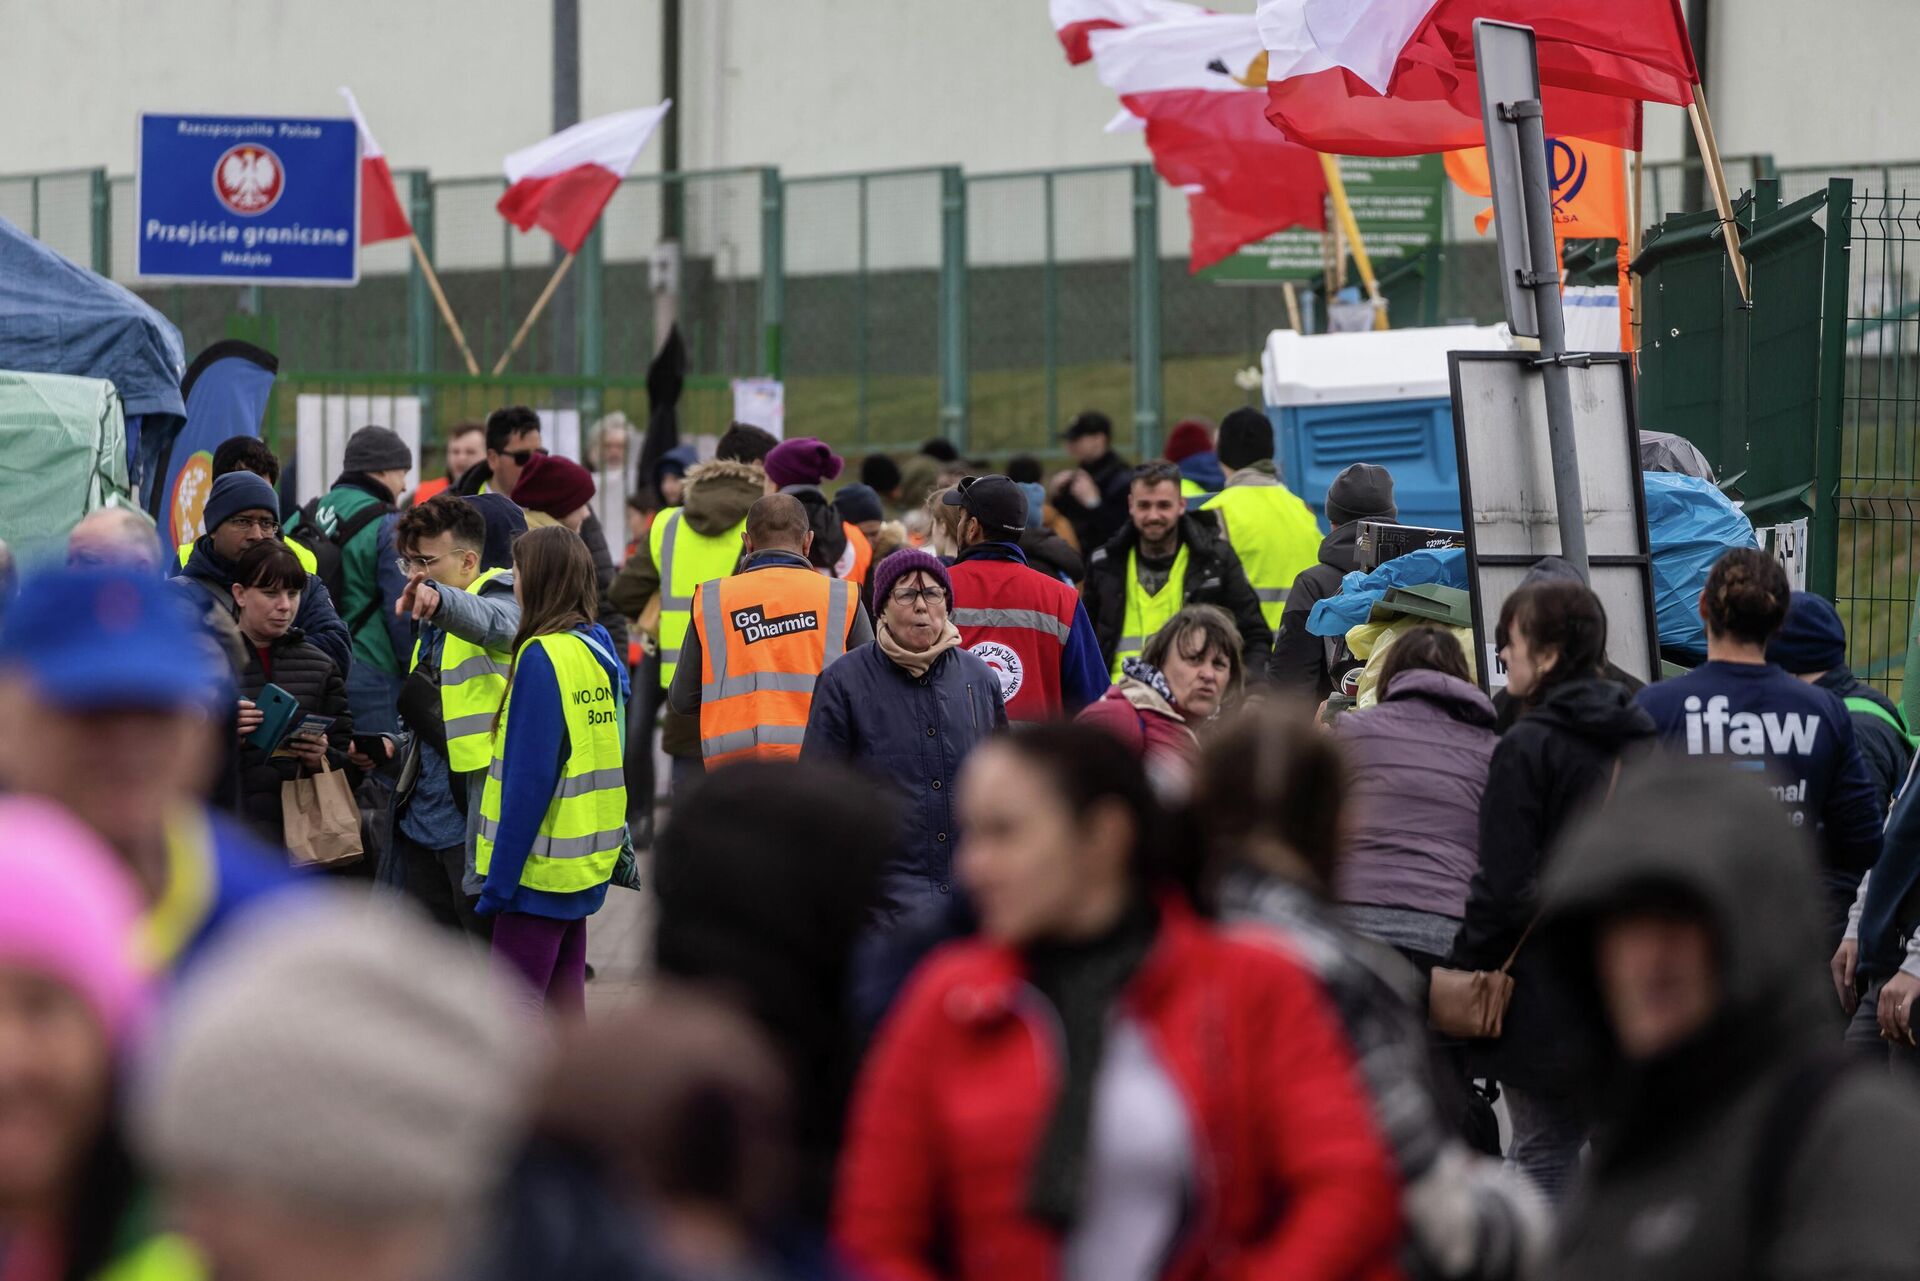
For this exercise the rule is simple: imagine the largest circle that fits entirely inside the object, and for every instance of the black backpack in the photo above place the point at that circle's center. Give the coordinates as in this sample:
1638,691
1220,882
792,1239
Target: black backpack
328,564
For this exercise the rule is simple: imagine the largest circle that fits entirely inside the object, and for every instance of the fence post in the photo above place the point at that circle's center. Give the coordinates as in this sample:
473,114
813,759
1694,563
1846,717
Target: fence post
1050,304
773,268
1146,311
100,201
422,319
1823,557
953,307
592,328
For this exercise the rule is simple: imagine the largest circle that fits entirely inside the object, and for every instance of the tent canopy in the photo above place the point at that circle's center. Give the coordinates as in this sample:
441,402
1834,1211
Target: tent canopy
58,318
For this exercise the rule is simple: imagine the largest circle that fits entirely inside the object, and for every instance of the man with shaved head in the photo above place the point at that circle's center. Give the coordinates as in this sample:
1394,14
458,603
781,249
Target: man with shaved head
759,639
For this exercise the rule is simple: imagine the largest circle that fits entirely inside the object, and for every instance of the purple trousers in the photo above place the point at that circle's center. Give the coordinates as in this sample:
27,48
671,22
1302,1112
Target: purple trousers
550,955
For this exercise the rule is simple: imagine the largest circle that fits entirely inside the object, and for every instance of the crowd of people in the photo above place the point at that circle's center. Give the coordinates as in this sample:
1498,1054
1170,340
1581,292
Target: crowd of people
1023,907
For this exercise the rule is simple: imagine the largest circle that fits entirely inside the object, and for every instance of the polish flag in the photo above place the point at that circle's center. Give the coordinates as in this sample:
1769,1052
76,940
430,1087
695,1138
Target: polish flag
1075,20
1219,232
1396,77
1195,84
564,182
382,216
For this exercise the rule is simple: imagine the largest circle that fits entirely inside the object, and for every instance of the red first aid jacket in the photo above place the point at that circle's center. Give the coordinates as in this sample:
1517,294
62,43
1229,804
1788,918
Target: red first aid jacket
1018,620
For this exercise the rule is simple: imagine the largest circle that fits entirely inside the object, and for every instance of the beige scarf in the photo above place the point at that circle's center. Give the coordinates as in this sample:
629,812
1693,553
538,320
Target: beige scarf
915,664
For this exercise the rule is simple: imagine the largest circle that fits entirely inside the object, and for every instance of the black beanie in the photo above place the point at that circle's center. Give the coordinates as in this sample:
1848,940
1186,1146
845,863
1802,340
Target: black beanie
1363,491
745,443
880,472
1246,437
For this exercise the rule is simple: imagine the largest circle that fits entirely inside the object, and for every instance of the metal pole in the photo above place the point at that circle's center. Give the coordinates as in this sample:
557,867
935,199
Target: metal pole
673,191
773,271
566,112
1823,551
1545,281
1146,311
953,307
1050,319
860,330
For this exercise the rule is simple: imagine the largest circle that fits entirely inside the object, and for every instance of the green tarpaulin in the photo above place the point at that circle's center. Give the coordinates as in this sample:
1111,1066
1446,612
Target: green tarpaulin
63,453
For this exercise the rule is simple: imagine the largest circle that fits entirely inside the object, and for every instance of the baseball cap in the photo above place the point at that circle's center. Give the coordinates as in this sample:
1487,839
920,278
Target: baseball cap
994,501
107,638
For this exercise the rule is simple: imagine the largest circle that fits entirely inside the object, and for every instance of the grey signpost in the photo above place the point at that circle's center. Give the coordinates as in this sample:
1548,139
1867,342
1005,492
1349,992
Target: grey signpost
1529,261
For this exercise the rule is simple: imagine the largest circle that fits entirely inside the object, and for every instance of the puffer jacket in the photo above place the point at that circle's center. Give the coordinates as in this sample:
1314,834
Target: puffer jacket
1291,1178
910,733
1418,764
1746,1150
212,583
1556,760
1300,657
301,669
1467,1216
1139,711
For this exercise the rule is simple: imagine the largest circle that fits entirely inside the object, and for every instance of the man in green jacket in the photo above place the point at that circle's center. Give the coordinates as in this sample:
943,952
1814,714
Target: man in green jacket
356,516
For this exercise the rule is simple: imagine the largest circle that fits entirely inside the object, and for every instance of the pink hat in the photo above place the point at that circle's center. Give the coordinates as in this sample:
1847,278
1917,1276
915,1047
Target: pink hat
69,910
804,461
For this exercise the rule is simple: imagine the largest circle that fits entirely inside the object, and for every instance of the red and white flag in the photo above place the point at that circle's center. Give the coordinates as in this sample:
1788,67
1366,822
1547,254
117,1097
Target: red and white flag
563,182
1396,77
1196,85
1075,20
382,216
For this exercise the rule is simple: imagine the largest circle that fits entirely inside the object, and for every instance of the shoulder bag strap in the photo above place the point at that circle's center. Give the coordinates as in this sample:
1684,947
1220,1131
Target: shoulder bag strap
1612,784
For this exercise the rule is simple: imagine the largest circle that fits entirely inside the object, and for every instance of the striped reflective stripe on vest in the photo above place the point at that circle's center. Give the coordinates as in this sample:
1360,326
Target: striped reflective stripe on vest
1271,595
759,736
547,846
668,539
1032,619
715,618
481,664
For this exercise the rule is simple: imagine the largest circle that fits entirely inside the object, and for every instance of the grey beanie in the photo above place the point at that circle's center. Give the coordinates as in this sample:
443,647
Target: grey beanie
1364,491
342,1054
377,449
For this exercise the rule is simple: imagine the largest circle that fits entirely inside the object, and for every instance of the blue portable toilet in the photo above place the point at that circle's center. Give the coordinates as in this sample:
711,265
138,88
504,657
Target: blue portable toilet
1377,397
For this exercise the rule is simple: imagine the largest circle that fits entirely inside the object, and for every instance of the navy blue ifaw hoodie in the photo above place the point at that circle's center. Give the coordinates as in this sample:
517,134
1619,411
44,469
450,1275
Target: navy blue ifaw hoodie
1762,719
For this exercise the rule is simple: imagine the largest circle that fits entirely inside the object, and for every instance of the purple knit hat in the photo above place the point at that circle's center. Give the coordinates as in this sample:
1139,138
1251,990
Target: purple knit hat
805,461
904,562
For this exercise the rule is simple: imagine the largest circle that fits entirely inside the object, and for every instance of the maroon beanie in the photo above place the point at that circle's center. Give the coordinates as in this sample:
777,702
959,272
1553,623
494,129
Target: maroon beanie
904,562
1191,437
805,461
554,486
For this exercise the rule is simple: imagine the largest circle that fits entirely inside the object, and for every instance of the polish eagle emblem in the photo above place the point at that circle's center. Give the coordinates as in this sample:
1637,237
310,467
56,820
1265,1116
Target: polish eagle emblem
248,178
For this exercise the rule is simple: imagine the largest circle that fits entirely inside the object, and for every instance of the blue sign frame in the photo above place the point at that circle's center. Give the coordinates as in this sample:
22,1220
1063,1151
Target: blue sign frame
247,200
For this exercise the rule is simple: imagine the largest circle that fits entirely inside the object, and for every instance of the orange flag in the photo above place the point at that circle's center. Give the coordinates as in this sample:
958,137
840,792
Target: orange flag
1589,188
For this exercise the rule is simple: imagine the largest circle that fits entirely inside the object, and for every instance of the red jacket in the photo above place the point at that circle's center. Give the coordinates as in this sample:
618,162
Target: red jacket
1018,620
1294,1183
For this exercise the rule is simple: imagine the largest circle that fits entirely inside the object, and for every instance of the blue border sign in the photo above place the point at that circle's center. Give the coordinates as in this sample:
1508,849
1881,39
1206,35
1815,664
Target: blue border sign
253,199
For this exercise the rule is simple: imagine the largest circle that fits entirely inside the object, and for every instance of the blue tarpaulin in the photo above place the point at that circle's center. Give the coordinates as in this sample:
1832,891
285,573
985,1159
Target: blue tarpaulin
1690,523
58,318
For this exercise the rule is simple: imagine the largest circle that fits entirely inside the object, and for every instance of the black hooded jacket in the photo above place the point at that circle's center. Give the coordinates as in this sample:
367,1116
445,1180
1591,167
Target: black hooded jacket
1557,759
1738,1152
1214,576
1300,657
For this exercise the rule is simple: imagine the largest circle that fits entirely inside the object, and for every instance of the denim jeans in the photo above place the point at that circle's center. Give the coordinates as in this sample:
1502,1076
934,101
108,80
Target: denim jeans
1548,1131
1863,1038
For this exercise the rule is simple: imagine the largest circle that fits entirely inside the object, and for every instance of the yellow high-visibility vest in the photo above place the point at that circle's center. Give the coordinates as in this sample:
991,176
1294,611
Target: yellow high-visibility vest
585,825
685,558
473,684
1276,537
1148,614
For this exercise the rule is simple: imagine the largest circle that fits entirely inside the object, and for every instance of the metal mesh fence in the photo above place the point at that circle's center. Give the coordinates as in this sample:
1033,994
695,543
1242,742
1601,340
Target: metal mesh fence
862,327
1879,495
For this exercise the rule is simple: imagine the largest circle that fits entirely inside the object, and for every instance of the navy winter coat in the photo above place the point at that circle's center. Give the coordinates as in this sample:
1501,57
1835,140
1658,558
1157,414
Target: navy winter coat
912,732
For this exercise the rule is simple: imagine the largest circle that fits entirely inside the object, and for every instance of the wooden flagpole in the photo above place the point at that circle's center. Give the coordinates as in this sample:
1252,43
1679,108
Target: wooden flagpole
1337,189
539,305
1717,179
1293,306
440,298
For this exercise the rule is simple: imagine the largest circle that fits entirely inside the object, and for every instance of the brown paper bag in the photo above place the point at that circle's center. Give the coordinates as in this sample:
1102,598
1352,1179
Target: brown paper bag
320,819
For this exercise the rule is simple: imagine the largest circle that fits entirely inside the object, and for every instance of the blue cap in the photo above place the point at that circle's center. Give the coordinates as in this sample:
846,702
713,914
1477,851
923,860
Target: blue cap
91,639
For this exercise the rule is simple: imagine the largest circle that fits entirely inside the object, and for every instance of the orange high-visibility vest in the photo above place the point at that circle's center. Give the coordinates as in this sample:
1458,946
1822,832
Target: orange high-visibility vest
765,637
857,558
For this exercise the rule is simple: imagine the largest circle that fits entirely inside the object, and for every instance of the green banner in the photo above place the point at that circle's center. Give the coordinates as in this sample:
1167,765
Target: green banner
1397,200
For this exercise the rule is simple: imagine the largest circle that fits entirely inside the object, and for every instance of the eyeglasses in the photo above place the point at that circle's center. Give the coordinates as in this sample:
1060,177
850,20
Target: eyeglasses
521,457
908,595
418,564
265,524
